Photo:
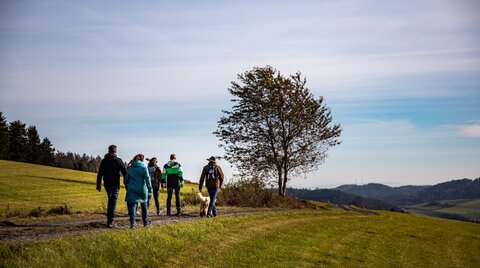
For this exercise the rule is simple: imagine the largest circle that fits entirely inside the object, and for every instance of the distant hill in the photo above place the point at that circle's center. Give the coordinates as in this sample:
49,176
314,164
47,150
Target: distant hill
394,195
411,194
341,198
455,189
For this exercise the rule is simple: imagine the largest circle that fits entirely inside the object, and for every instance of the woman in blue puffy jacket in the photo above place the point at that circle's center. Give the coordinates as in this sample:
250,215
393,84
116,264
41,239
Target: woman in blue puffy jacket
139,188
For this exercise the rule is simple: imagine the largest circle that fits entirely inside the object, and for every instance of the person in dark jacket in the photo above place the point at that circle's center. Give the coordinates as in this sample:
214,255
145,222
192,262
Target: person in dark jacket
109,170
213,176
155,177
173,175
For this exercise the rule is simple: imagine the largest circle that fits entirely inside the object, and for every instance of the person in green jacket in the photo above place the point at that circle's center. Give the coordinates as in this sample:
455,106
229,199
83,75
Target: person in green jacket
172,178
139,189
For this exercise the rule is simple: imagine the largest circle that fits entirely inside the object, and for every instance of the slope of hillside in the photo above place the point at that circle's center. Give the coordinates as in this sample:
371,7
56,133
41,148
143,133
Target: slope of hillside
451,190
283,239
393,195
25,187
463,209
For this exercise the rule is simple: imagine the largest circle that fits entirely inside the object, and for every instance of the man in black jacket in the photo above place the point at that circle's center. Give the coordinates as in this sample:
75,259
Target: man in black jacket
110,169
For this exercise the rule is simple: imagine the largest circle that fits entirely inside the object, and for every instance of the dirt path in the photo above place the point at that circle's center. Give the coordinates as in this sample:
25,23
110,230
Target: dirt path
11,232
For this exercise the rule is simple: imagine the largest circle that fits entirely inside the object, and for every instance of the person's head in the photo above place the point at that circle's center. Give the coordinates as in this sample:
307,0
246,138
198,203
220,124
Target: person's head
153,161
112,149
173,157
139,157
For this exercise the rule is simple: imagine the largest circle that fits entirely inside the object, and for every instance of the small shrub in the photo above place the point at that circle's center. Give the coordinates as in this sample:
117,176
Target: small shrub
190,198
36,212
253,193
60,210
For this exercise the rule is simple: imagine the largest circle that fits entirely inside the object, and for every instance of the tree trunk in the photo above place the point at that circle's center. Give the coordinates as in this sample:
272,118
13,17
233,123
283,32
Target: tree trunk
284,185
280,182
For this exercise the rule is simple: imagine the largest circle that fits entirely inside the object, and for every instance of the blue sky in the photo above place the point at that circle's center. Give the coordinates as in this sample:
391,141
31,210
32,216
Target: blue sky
402,78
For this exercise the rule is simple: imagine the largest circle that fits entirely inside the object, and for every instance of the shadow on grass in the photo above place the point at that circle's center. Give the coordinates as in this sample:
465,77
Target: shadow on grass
64,180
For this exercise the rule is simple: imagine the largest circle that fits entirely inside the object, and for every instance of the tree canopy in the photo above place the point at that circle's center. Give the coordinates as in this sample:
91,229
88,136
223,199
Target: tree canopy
276,128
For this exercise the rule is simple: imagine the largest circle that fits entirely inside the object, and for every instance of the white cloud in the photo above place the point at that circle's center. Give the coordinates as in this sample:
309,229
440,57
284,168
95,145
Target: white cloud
471,131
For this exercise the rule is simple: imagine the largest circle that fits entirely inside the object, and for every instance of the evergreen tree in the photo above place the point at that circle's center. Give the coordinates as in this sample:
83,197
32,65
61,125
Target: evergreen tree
4,138
17,141
33,145
47,153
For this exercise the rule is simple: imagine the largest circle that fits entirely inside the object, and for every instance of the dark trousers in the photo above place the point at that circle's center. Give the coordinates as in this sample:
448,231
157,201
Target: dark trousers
156,194
212,209
169,198
112,193
132,212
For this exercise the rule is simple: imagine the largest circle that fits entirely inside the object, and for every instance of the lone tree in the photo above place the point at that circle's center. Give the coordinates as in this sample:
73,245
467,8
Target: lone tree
276,127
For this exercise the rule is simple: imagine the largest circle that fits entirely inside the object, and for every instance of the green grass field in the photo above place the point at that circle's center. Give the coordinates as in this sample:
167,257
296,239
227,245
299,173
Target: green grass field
282,239
24,187
468,209
300,238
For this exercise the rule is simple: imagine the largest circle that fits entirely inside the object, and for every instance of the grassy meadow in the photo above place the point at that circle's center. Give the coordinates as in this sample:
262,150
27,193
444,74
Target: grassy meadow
288,238
24,187
299,238
468,209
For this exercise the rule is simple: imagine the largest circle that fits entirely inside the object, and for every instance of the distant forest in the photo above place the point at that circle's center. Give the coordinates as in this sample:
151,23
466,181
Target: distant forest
23,144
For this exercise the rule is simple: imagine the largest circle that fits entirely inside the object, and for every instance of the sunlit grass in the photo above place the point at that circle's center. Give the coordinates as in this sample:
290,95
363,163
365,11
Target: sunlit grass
24,187
282,239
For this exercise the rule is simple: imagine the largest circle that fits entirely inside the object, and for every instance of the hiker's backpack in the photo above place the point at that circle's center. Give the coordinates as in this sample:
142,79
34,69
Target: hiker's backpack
151,171
211,172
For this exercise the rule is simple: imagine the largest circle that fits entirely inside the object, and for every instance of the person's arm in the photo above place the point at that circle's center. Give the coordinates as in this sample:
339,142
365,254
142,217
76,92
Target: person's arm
202,178
148,181
100,176
123,170
221,176
180,175
164,177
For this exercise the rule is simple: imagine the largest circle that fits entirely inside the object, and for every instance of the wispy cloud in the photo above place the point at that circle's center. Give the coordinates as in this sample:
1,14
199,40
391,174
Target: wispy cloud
470,131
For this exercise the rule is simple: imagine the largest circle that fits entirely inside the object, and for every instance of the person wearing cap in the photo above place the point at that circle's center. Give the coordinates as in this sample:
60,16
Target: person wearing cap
172,177
109,170
139,189
213,176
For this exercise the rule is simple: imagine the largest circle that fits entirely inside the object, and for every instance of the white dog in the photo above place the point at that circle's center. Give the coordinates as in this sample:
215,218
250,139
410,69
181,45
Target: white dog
204,202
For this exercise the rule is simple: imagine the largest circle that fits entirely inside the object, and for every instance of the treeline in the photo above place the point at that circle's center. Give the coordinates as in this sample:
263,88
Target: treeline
340,198
23,144
78,162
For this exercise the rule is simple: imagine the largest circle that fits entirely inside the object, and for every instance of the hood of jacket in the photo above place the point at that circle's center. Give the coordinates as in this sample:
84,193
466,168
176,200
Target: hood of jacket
110,156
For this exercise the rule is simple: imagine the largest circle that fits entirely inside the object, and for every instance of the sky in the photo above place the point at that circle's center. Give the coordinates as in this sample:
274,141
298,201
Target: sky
401,77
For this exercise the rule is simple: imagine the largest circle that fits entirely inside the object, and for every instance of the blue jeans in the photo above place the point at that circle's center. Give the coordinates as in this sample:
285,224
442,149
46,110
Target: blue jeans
212,209
156,193
132,212
169,198
112,193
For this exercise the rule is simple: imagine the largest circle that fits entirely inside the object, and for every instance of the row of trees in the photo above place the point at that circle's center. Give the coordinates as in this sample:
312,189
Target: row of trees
21,143
78,162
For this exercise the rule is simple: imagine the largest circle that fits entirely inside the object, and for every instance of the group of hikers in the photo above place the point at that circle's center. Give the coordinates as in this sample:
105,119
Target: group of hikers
144,181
